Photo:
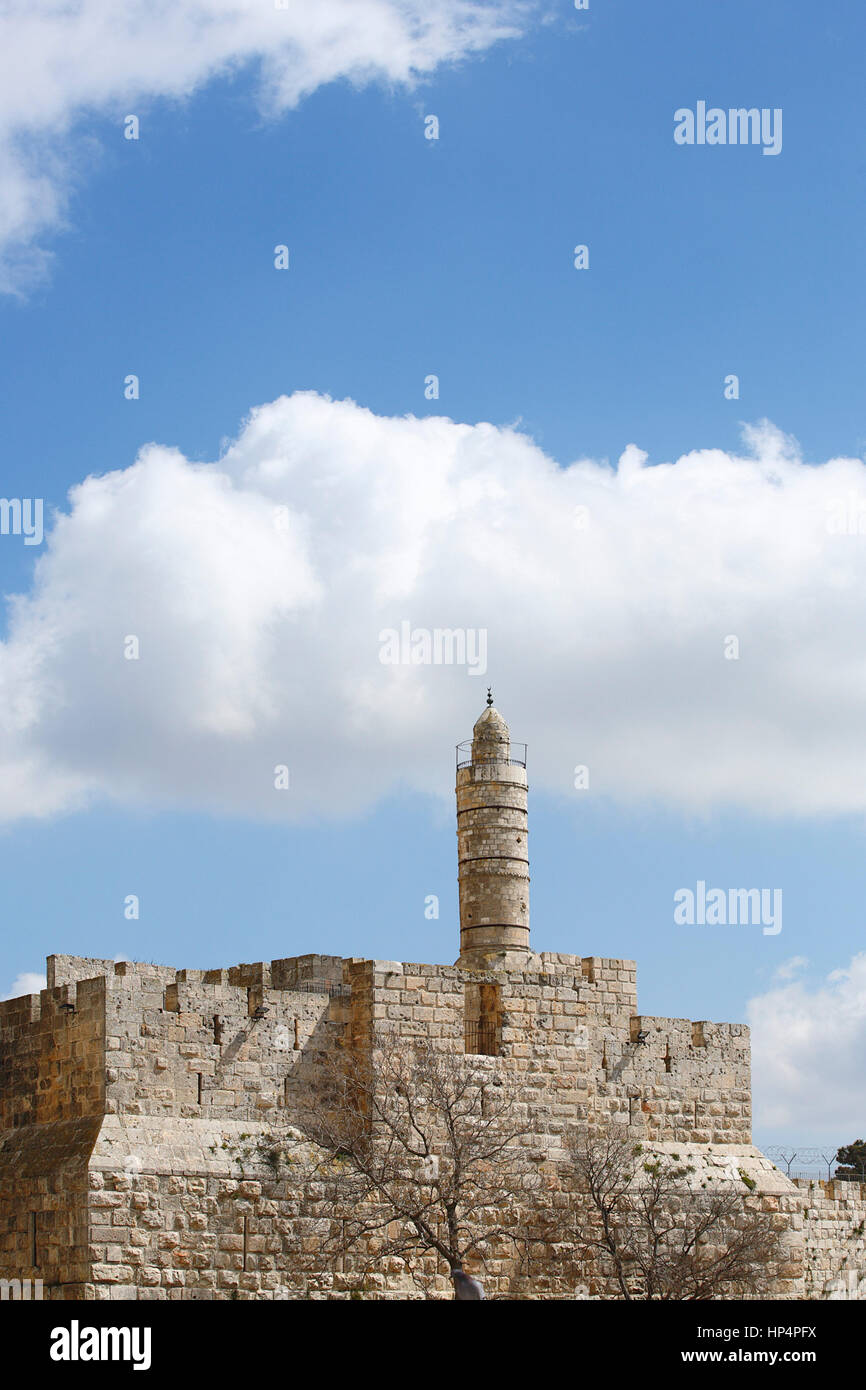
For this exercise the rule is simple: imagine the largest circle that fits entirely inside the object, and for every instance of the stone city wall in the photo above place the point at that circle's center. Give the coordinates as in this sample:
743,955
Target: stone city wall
141,1151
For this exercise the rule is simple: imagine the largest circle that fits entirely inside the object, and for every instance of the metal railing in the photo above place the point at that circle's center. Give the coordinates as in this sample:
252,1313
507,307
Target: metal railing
482,1039
812,1176
336,991
516,755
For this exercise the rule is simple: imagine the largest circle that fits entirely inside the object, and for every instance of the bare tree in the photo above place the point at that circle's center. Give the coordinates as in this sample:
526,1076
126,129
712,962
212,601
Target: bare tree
640,1220
420,1154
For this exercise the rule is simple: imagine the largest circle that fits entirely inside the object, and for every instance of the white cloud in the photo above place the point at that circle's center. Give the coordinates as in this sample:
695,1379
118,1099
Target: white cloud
258,587
808,1045
63,61
789,968
30,982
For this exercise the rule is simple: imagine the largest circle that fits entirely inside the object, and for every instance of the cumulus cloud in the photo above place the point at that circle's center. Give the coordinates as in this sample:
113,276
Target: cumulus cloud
789,968
27,983
808,1043
258,589
63,61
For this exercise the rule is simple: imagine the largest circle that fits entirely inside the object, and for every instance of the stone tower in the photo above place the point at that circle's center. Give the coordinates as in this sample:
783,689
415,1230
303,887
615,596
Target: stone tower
492,847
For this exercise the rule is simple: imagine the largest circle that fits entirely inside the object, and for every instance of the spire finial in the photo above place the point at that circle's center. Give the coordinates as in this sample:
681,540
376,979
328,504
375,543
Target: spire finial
489,696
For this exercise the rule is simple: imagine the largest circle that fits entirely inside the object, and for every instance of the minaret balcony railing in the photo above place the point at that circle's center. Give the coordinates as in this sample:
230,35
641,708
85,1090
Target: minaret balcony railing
516,757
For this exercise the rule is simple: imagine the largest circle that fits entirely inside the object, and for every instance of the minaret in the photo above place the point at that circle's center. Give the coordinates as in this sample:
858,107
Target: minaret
492,847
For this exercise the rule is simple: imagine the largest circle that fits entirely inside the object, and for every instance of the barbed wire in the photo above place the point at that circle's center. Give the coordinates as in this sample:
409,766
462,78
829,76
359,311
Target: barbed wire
811,1157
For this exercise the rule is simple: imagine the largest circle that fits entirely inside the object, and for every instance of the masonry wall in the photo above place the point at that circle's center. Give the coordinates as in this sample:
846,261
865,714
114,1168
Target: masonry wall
571,1038
44,1224
210,1219
834,1226
138,1128
679,1079
189,1209
220,1043
52,1099
52,1054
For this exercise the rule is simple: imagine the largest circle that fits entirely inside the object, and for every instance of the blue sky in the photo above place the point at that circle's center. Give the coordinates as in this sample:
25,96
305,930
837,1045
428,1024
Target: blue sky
455,257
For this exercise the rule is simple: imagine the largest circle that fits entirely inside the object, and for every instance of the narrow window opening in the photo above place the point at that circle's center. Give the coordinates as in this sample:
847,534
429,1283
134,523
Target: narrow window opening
199,1087
483,1019
217,1029
668,1058
297,1036
245,1243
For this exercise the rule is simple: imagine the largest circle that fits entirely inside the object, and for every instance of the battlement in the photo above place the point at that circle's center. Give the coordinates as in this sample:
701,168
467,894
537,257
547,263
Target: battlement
136,1038
120,1075
133,1037
52,1054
